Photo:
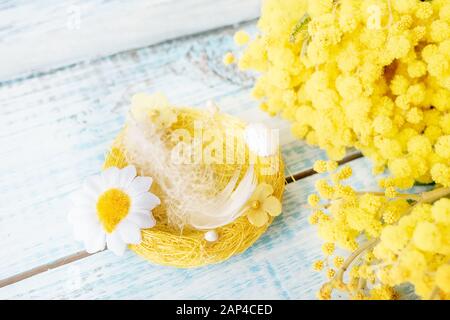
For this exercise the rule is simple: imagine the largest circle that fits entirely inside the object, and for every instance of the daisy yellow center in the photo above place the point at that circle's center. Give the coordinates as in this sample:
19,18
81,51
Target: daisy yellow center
255,204
112,206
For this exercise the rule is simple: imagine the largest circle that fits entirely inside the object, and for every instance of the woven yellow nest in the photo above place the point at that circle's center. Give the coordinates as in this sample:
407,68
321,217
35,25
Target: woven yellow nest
167,245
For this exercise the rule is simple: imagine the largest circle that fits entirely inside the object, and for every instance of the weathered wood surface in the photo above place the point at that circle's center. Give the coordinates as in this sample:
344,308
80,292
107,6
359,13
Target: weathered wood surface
56,124
278,266
41,35
55,129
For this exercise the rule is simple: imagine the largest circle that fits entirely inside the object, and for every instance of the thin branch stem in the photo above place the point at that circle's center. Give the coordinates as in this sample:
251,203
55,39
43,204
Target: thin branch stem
433,195
400,195
366,246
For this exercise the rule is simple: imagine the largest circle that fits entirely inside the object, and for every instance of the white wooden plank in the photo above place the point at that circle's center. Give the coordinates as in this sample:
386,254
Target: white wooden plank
41,35
56,127
278,266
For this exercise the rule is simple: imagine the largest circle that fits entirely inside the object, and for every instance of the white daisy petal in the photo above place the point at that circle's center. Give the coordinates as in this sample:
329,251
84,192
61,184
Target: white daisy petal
85,229
94,186
89,208
73,215
78,232
129,232
95,243
145,201
78,214
140,185
81,198
115,243
142,220
86,222
110,177
126,175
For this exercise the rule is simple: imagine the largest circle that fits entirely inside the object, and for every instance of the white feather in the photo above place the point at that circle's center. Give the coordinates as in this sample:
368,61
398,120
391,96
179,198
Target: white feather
217,212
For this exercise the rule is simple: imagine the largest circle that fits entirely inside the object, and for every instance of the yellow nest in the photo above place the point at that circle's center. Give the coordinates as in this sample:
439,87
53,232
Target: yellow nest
167,245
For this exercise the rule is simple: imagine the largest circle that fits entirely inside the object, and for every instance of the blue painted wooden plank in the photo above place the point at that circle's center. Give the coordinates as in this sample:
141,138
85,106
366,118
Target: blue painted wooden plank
55,129
278,266
65,32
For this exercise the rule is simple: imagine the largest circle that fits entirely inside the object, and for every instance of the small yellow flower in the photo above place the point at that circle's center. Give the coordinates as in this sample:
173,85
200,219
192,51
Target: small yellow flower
391,192
154,107
345,173
313,219
163,118
328,248
324,189
443,278
313,200
228,58
325,292
332,165
318,265
241,37
338,261
344,191
331,273
320,166
262,204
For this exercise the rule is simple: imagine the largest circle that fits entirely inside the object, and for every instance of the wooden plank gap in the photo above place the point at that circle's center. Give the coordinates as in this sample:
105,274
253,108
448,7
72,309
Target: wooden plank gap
310,172
44,268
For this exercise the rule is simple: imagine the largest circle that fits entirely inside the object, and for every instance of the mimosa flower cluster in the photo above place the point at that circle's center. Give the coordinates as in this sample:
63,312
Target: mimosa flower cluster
372,74
393,238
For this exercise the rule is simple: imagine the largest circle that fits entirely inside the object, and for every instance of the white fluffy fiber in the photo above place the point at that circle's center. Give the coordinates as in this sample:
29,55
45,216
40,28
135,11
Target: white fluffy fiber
188,191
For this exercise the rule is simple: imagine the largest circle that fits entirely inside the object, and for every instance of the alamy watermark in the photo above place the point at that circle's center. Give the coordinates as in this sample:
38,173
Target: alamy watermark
231,146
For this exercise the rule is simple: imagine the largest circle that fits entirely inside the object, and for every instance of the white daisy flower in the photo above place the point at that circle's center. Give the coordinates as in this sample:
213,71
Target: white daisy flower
112,208
261,140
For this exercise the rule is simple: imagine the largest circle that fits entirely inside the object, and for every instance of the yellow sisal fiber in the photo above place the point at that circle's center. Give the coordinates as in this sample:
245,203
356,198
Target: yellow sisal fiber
181,246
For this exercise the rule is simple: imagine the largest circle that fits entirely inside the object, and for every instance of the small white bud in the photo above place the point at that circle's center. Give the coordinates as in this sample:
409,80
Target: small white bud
211,236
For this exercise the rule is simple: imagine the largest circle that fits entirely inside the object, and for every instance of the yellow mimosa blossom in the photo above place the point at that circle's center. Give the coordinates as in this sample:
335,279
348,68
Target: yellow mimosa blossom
228,58
241,38
374,75
395,238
